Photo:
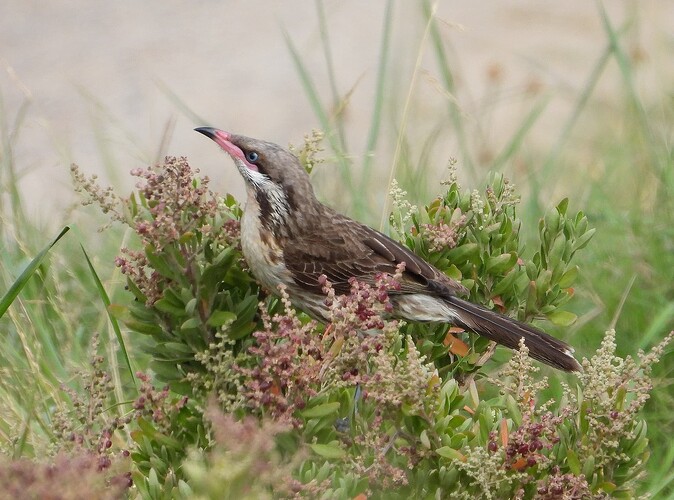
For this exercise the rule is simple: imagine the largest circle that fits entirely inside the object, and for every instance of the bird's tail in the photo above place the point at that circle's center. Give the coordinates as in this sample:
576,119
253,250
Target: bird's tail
508,332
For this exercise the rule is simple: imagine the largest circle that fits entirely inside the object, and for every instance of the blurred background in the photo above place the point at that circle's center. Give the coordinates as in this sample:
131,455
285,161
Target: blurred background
114,85
569,99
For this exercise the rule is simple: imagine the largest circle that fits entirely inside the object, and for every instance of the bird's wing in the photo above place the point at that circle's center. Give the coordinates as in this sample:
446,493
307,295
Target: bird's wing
343,248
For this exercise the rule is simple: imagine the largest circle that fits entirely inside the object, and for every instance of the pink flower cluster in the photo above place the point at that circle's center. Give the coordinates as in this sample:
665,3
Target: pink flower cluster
175,212
441,235
295,360
178,202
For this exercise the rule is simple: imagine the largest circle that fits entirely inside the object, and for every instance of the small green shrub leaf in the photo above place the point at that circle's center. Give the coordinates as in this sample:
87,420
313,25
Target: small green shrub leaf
219,318
332,451
562,318
451,453
572,460
321,410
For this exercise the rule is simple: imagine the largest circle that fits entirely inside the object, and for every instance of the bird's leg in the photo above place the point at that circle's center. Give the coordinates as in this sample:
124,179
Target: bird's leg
334,350
327,331
486,355
388,446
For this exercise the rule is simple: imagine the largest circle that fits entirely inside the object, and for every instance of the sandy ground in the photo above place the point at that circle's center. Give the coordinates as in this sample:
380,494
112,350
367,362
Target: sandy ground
93,74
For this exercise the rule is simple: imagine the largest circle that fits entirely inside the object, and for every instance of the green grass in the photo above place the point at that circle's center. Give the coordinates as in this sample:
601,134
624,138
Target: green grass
627,270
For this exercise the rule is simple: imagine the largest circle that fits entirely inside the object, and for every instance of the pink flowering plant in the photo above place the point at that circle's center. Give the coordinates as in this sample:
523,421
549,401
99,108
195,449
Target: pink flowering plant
187,274
365,406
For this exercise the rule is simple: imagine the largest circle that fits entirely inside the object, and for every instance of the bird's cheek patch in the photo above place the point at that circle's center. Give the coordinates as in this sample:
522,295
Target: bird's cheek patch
257,177
244,165
250,166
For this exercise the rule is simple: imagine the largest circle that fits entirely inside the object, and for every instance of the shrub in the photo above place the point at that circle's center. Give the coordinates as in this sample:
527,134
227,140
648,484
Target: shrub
331,411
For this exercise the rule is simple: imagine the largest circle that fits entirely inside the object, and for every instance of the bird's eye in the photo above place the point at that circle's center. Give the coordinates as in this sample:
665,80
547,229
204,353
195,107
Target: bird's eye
252,156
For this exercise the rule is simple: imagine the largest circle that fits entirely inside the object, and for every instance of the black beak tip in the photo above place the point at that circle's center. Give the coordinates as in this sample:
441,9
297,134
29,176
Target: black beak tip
207,131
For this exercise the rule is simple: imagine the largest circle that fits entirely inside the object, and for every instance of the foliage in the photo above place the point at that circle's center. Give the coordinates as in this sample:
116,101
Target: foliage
344,413
333,439
66,477
188,279
474,238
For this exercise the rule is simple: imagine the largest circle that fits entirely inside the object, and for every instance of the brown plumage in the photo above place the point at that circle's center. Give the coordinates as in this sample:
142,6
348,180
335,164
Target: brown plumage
289,237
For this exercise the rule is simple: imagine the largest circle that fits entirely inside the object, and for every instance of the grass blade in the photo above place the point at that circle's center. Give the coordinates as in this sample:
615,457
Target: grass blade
321,114
537,181
450,87
327,54
658,327
375,123
516,141
405,113
113,321
179,103
27,273
10,181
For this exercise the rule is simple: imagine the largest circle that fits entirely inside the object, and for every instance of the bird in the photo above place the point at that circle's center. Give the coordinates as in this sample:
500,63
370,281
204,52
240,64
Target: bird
289,237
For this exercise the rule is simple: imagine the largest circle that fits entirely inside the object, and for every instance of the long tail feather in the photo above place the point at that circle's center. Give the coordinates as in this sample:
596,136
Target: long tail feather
508,332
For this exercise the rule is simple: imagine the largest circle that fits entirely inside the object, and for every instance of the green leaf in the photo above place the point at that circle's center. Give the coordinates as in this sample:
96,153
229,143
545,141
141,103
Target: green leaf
620,494
638,447
530,305
449,452
501,263
423,437
146,426
328,450
219,318
552,222
461,254
179,348
142,327
113,321
588,467
245,313
607,487
453,272
216,272
138,310
166,306
543,282
583,240
185,490
574,463
486,425
506,283
27,273
166,370
191,324
469,284
556,253
569,277
160,264
169,441
562,206
513,410
190,306
562,318
321,410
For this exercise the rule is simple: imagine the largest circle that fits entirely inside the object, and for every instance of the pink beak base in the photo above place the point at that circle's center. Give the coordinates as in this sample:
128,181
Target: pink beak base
222,139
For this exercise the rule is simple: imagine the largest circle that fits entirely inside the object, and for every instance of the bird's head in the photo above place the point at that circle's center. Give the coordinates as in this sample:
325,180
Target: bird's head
273,175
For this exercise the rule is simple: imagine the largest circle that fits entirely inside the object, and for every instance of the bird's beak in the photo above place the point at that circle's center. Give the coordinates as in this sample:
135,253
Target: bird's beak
223,139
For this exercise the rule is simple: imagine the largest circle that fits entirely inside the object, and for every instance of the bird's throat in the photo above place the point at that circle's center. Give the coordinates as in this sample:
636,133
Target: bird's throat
261,246
271,205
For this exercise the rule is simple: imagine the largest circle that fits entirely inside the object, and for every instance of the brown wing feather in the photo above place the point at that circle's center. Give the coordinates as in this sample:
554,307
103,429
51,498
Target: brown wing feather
346,248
